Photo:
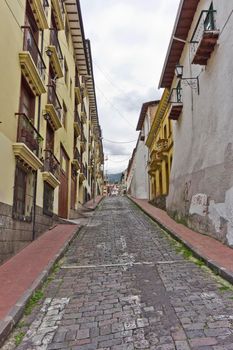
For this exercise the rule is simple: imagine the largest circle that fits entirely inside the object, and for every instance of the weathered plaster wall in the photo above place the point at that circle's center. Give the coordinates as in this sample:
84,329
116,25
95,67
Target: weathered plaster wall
203,150
139,184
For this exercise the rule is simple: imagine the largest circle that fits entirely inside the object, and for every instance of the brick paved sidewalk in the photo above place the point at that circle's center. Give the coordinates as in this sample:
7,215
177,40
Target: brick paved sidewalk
214,253
21,274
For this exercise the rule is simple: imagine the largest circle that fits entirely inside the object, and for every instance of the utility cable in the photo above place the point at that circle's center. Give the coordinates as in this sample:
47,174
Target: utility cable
118,141
116,109
10,9
119,161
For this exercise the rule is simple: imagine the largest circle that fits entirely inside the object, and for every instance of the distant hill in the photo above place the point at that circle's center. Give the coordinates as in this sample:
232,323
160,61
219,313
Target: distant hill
113,178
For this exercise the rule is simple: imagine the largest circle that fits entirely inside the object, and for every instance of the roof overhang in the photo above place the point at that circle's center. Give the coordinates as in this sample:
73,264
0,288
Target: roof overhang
144,109
74,16
184,18
90,84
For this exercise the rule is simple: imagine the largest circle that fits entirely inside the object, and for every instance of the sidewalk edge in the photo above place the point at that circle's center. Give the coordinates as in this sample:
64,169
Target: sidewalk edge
213,265
16,312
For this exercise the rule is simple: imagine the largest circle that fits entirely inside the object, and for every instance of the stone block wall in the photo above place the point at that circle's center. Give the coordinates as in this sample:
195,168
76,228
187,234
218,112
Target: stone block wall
15,235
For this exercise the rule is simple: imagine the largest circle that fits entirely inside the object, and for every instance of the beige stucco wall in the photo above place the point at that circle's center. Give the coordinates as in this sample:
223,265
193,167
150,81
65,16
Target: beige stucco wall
11,44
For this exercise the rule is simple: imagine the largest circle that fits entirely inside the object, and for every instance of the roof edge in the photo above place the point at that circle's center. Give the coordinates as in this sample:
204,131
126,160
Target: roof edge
142,115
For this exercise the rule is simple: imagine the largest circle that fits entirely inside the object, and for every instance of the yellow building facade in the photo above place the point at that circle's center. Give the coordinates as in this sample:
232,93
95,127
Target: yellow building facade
51,152
160,145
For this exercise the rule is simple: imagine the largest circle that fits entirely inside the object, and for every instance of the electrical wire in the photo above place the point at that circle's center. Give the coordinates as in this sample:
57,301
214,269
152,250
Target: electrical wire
10,9
116,109
118,141
111,79
119,161
228,18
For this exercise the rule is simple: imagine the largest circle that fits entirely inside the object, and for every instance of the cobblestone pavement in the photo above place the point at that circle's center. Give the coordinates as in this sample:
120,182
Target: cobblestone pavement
123,285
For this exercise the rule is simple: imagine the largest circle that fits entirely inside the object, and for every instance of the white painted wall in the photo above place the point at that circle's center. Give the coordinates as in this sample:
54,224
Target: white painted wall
139,183
139,179
203,135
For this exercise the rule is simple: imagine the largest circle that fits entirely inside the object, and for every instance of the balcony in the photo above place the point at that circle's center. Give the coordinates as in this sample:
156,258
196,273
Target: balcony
58,10
51,169
40,11
155,161
91,168
53,109
83,140
162,145
77,90
90,145
77,124
77,159
83,114
55,53
27,148
204,38
83,173
175,100
32,64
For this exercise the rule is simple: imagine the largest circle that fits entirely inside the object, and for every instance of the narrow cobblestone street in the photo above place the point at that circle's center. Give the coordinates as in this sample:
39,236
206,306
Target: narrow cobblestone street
124,285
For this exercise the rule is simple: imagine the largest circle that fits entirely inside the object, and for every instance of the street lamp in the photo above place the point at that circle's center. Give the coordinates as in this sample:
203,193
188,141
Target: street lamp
179,70
193,83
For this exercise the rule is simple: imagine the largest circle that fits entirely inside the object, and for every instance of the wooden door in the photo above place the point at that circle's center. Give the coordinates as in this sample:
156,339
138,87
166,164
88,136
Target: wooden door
63,188
73,189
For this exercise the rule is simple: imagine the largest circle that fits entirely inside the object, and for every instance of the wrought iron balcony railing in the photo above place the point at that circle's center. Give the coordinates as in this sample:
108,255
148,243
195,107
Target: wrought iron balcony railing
83,137
176,95
83,170
55,42
204,37
30,45
51,163
28,134
77,155
77,82
176,101
54,100
77,119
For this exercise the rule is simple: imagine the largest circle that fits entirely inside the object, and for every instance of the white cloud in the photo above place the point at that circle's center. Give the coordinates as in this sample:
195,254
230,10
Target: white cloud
129,41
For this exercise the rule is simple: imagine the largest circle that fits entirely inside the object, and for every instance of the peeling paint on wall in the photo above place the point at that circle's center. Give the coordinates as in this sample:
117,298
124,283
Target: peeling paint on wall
229,214
199,204
215,211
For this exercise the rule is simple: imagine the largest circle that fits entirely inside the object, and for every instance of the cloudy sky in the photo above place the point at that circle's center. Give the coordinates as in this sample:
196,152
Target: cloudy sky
129,41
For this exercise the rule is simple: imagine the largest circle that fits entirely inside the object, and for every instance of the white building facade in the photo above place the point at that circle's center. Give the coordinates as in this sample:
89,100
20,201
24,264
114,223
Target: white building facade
201,185
138,179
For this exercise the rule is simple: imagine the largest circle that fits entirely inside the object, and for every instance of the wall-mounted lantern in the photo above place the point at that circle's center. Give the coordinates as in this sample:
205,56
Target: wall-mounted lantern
193,83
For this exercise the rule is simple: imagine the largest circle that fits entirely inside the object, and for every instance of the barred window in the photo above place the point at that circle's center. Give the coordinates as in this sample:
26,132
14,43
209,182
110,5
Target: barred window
23,194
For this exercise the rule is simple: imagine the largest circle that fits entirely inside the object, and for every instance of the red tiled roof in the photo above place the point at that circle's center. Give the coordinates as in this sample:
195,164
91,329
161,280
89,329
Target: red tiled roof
143,112
181,28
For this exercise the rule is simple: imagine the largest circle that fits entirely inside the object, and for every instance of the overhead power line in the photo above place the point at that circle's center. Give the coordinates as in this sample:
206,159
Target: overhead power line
118,141
116,109
119,161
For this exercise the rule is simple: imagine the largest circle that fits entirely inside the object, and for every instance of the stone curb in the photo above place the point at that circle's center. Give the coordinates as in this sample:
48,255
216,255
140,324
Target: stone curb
16,312
213,265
